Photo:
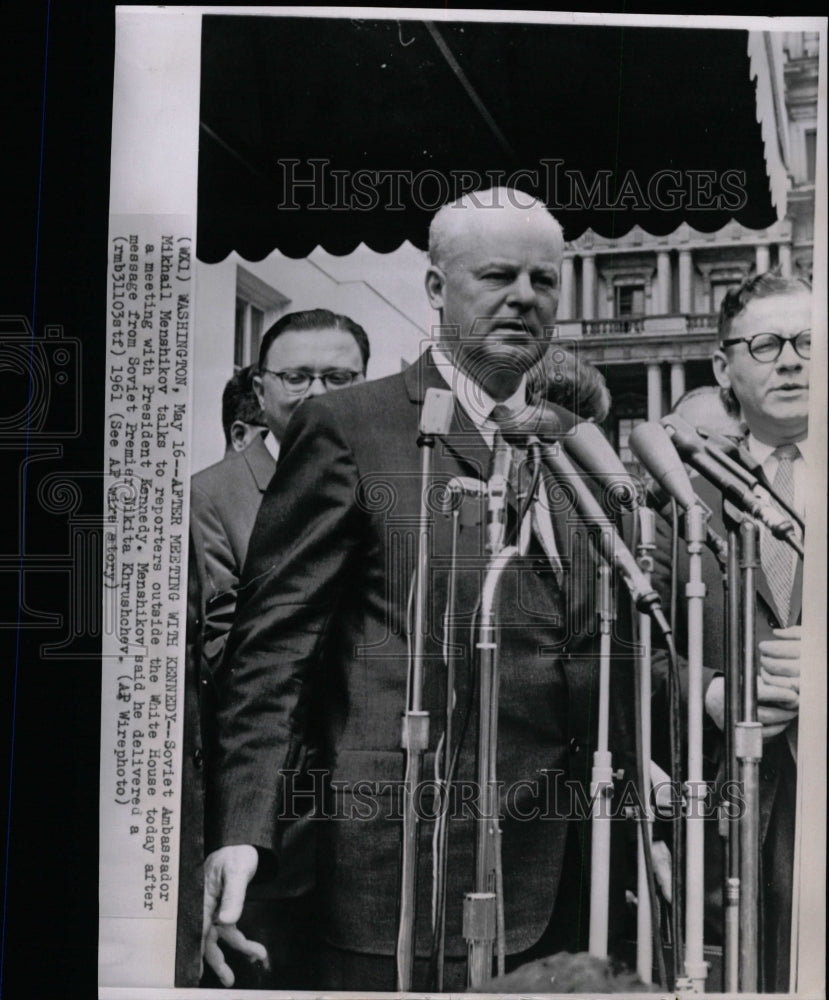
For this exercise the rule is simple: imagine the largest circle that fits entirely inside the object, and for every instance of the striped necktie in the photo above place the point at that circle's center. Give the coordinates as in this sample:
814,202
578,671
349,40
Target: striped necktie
538,519
777,557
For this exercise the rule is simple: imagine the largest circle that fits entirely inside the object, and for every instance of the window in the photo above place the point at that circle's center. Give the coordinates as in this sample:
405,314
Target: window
257,307
630,300
250,322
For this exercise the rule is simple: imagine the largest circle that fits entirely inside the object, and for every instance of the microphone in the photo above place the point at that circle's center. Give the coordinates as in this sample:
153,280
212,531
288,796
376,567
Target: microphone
655,450
436,412
742,456
653,447
692,448
744,464
613,549
534,422
500,465
594,453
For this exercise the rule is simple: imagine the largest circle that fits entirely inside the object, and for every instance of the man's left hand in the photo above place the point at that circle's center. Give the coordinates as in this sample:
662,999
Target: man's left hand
780,658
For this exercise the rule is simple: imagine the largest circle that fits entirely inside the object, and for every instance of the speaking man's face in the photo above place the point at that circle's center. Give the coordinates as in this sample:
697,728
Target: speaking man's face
497,290
773,394
329,351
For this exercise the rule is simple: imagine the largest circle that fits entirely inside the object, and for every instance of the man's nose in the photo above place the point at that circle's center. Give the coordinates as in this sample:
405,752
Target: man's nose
789,358
317,387
522,291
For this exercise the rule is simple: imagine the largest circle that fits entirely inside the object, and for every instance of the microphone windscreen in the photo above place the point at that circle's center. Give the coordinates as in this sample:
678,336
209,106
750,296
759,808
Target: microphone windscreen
541,422
654,448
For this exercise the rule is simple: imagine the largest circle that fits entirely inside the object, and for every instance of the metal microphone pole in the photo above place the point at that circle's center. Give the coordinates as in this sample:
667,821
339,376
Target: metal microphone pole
728,827
696,968
644,914
435,418
483,908
601,781
749,749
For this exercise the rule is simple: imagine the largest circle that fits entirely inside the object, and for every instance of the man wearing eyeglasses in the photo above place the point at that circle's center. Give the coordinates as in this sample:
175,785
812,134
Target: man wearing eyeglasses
762,365
303,354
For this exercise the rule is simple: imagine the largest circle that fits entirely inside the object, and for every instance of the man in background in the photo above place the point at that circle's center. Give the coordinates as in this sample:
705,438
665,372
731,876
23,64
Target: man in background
242,419
762,366
708,406
304,354
576,384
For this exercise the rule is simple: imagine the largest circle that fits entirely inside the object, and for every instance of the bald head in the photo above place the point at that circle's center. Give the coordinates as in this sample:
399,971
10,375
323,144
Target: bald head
494,278
488,211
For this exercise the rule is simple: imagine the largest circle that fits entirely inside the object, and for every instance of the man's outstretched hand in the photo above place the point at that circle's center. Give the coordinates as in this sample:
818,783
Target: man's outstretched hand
227,873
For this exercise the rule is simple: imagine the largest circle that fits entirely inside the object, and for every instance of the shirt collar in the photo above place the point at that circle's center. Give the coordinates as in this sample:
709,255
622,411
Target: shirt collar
272,445
762,451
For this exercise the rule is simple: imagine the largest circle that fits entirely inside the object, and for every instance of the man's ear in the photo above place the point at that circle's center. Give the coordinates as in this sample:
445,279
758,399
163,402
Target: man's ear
259,390
239,435
435,281
719,362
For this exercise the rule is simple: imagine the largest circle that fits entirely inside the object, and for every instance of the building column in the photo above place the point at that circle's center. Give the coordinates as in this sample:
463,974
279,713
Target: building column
686,283
588,286
663,282
762,257
654,390
784,251
677,381
565,301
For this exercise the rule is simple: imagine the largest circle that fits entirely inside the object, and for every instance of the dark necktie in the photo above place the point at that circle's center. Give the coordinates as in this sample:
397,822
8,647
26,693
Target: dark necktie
777,556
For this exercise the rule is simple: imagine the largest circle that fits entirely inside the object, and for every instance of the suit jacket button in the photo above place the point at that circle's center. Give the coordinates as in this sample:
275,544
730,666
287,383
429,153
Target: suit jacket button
198,757
574,745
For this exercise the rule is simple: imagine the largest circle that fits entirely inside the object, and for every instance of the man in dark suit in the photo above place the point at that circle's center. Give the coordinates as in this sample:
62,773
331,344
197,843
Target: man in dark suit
762,363
318,654
302,355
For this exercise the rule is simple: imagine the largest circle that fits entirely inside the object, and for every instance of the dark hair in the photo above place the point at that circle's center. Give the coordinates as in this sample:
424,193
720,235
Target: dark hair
239,401
760,286
309,320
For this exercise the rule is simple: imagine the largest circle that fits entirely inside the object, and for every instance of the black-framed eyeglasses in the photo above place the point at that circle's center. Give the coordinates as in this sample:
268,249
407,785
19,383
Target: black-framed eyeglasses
297,381
766,347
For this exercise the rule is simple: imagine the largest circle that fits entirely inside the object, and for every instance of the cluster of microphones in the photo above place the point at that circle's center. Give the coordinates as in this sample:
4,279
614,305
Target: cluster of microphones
663,448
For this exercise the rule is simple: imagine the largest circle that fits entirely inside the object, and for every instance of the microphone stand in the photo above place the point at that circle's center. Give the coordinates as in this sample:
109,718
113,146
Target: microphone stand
435,418
728,827
644,914
696,968
748,741
456,490
601,780
483,918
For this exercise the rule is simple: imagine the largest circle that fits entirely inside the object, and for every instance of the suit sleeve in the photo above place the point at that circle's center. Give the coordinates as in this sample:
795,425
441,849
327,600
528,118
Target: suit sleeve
220,575
302,544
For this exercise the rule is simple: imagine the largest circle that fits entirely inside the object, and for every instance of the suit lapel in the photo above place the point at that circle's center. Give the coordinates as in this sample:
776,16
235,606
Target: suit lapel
463,442
260,462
